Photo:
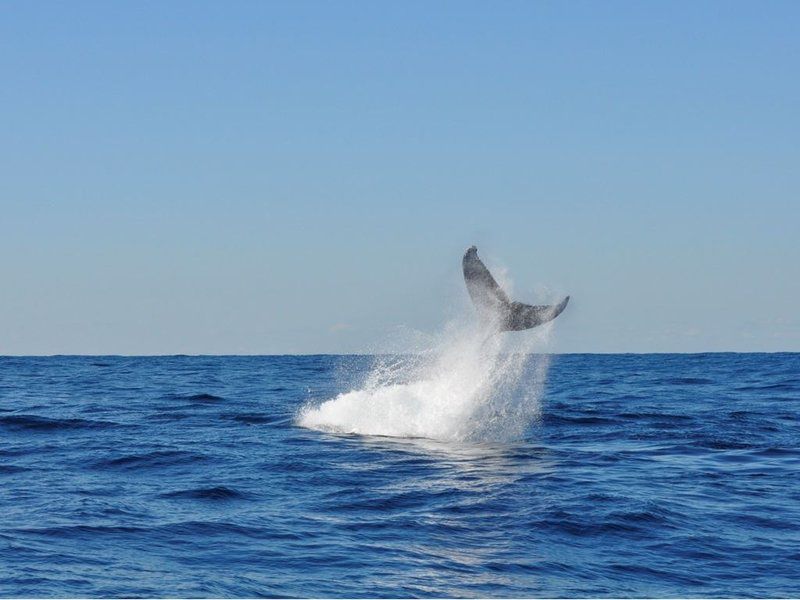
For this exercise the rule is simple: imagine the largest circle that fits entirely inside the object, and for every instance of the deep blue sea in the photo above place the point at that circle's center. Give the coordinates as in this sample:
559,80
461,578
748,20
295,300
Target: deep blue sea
191,476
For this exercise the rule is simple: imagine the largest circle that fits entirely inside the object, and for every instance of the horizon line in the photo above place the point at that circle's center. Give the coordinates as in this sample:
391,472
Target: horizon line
234,355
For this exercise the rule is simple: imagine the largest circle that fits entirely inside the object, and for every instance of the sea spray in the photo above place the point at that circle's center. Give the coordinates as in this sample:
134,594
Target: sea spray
471,384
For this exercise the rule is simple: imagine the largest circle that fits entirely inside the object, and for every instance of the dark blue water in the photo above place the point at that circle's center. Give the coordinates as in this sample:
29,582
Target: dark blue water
646,475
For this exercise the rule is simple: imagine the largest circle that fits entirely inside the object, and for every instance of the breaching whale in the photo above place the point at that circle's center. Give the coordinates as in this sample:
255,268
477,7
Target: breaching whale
494,305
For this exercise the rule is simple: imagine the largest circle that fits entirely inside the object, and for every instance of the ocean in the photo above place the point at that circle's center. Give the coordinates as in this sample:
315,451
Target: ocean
457,473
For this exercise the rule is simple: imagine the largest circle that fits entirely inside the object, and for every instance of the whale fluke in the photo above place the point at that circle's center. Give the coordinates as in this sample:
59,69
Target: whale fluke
493,303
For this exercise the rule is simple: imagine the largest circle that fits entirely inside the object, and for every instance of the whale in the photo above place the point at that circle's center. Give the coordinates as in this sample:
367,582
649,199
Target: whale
493,304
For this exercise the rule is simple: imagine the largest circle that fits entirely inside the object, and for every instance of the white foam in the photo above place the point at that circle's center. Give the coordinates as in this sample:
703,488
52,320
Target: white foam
471,384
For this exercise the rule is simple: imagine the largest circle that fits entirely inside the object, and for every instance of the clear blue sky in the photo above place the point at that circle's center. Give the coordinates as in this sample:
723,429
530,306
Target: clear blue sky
260,177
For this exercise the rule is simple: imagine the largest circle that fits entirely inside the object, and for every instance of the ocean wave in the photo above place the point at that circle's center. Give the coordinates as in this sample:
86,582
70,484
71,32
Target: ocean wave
150,460
39,423
12,469
202,397
549,419
250,418
207,493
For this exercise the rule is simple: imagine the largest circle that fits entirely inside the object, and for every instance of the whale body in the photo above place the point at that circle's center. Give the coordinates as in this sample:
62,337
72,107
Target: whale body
494,305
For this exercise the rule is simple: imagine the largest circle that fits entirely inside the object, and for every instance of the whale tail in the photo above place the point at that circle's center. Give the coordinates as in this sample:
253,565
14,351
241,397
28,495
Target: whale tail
493,303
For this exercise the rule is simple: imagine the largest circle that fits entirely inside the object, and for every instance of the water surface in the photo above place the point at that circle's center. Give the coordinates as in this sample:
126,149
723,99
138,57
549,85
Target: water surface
640,475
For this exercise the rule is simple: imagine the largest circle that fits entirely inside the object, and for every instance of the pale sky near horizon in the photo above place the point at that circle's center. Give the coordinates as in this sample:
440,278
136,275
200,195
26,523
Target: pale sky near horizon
303,177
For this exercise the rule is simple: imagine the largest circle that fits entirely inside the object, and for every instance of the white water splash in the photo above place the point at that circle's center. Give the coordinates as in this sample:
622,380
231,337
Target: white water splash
471,384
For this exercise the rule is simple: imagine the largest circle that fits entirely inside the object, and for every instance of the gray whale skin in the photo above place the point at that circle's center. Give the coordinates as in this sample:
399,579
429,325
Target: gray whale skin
494,305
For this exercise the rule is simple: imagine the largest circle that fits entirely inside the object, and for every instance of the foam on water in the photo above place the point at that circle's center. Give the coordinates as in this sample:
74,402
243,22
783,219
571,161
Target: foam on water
466,386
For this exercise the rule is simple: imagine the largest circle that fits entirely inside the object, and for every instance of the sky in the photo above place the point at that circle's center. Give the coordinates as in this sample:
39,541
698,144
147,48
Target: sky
304,177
